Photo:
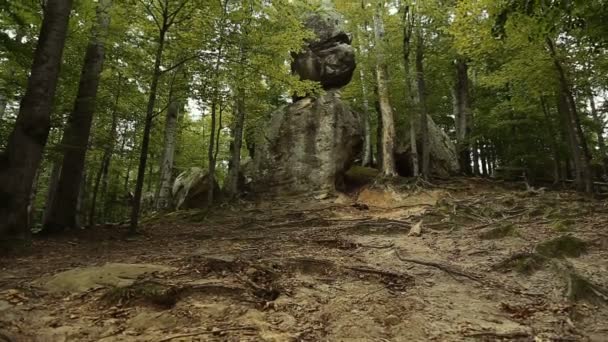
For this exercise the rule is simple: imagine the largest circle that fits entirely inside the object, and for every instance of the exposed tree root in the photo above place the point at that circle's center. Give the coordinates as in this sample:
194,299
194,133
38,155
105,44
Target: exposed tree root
578,287
524,262
446,268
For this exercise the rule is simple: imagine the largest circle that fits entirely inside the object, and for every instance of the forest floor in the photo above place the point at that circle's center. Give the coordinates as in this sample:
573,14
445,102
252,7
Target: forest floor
490,262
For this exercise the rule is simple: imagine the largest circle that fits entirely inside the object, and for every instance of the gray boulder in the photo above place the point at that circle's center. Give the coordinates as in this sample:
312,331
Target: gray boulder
443,156
307,147
191,188
328,59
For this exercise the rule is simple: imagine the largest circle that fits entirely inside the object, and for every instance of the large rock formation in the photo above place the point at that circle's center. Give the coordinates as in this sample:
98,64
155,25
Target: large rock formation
329,58
309,145
443,156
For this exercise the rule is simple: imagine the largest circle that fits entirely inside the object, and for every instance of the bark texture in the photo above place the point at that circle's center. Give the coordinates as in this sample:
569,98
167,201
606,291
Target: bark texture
76,136
21,159
388,167
462,114
163,197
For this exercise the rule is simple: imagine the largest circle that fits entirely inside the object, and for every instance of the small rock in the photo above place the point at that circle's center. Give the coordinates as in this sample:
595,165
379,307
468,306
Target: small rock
392,320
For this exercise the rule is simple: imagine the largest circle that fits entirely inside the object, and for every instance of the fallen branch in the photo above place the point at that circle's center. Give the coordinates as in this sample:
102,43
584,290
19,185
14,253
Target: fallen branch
498,221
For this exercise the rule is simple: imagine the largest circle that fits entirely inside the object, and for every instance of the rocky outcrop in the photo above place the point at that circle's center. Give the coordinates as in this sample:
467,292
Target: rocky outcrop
307,147
191,188
443,156
329,58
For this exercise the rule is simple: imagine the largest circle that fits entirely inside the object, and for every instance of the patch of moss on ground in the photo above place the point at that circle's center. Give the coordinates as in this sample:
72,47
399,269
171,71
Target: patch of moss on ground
564,225
499,232
563,246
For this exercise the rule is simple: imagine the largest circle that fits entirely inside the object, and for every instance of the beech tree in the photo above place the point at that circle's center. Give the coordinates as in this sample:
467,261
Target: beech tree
21,159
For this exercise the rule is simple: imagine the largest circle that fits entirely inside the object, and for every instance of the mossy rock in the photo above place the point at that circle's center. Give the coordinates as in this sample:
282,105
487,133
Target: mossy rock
563,246
360,175
498,232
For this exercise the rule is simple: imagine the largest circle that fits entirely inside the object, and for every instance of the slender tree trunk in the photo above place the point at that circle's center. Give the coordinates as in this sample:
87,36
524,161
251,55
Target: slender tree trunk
145,144
238,128
21,159
388,167
367,142
586,177
76,136
475,146
237,143
599,124
408,25
3,104
81,202
462,114
102,174
210,154
424,124
378,134
483,158
163,197
367,157
52,189
551,132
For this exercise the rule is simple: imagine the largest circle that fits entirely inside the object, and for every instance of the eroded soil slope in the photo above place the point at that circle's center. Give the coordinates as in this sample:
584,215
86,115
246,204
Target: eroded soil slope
462,261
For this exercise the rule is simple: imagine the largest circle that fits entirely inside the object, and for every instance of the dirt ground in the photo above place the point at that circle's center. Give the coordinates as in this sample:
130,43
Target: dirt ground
489,263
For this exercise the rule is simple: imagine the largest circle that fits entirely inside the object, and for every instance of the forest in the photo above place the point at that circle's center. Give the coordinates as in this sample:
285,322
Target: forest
303,170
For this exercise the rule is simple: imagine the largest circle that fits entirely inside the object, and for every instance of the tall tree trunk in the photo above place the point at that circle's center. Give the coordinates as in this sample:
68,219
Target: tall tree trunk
145,144
367,127
210,154
102,174
408,25
378,133
462,114
76,137
237,143
424,123
21,159
81,202
388,167
238,128
551,132
483,156
52,189
3,103
163,197
475,146
586,178
367,157
599,124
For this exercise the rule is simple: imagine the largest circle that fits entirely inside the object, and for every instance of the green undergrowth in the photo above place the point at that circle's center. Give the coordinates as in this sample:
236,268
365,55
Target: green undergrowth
563,246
